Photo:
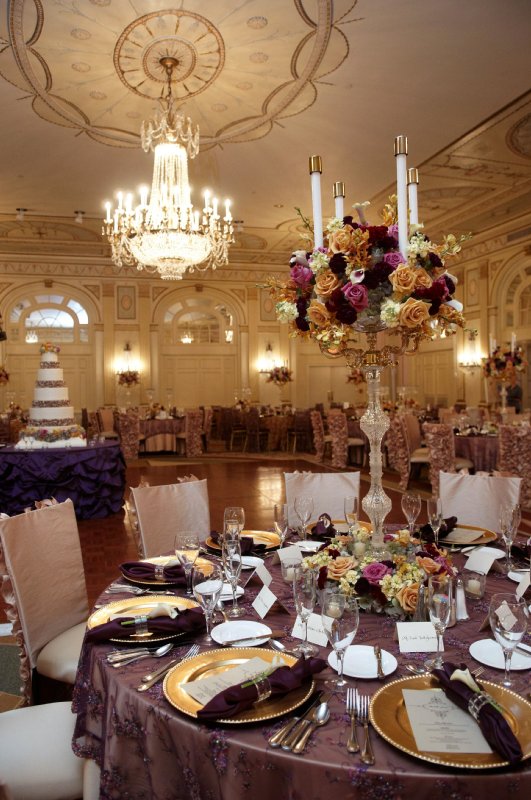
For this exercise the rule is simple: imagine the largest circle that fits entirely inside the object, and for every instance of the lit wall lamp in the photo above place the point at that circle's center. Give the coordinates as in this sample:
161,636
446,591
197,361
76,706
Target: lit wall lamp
268,362
20,214
31,337
470,361
79,217
187,338
229,336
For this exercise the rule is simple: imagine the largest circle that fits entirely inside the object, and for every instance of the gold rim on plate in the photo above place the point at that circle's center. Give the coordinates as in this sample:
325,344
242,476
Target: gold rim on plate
217,661
486,537
389,717
101,615
271,540
206,569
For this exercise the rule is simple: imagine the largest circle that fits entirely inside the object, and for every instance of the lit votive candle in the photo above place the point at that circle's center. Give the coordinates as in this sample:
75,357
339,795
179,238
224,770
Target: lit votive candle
475,585
359,548
334,610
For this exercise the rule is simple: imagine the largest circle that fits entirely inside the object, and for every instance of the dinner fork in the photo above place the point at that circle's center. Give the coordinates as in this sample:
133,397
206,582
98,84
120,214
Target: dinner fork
190,653
362,709
350,704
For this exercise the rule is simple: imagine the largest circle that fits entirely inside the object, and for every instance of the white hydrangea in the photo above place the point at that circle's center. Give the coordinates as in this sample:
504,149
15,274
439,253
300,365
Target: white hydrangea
418,245
318,261
334,224
389,312
286,311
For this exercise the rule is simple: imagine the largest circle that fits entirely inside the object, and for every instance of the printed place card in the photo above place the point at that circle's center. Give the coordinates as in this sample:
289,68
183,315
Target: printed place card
416,637
292,555
260,574
439,726
524,584
264,602
316,632
480,560
204,689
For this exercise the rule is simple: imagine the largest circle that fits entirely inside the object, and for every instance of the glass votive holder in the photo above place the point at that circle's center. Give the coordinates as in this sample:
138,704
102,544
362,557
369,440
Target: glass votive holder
101,438
474,584
289,570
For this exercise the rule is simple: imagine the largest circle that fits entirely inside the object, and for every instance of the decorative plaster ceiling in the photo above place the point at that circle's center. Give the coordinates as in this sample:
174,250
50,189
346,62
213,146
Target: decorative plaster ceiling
269,82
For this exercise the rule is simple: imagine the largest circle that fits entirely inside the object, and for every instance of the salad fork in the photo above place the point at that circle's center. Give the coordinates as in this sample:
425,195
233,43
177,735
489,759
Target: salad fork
362,708
350,704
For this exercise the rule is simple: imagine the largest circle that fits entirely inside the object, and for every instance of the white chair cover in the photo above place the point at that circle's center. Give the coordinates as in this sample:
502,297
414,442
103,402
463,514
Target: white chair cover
44,587
328,490
162,511
476,499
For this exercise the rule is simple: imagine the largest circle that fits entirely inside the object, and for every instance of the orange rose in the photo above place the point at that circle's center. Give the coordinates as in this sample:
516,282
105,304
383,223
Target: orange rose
403,279
340,241
318,314
340,566
422,279
325,283
413,313
429,566
407,597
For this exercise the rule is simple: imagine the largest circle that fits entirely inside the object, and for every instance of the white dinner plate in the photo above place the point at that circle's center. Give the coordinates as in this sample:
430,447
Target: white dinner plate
309,546
360,662
489,652
517,575
251,562
239,629
226,592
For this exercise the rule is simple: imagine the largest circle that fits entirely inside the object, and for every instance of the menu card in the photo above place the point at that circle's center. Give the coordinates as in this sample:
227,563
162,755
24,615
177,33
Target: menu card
204,689
462,536
439,726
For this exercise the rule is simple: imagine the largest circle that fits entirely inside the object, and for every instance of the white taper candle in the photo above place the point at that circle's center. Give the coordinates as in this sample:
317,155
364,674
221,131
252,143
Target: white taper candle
401,191
316,168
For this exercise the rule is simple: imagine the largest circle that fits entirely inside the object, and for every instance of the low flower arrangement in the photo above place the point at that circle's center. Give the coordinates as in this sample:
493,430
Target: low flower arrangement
390,586
502,364
52,434
279,376
4,375
128,378
48,347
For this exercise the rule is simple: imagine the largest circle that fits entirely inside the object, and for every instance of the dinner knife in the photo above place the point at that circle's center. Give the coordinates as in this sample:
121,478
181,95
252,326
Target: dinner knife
378,654
157,676
232,642
278,737
298,729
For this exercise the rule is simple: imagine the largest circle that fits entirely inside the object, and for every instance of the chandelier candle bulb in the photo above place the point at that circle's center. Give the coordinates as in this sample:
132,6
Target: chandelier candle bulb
339,199
316,167
401,192
108,218
412,194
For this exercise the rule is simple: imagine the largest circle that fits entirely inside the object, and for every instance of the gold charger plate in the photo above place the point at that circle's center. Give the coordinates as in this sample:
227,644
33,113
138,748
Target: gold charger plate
206,568
218,661
101,615
271,540
485,537
389,716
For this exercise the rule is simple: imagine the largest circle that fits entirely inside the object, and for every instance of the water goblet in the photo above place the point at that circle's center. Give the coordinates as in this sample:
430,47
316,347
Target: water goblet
340,618
507,533
435,517
350,506
440,598
187,550
233,521
508,617
281,521
231,555
305,596
303,508
207,591
411,505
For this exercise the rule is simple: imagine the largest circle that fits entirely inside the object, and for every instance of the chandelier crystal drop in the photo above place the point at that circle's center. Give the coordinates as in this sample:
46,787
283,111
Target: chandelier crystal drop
165,234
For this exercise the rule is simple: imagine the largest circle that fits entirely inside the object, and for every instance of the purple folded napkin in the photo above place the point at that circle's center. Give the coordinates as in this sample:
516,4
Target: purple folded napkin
247,544
323,529
426,532
493,724
143,571
239,698
192,620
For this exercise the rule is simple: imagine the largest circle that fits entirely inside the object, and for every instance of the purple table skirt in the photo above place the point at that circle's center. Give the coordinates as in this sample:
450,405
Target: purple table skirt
92,477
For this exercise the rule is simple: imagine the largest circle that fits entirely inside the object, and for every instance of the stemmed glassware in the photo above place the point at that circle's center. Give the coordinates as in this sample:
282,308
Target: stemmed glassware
187,550
440,597
231,554
508,617
303,508
281,521
340,618
233,521
350,505
435,517
411,505
305,596
510,518
207,591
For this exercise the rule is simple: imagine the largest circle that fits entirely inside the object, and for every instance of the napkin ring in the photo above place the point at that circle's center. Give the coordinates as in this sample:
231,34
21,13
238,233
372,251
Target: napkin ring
263,689
476,703
159,572
141,626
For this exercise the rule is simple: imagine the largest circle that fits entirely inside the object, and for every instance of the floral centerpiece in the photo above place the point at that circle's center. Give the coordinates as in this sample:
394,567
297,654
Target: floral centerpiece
128,378
388,585
4,375
279,376
502,364
48,347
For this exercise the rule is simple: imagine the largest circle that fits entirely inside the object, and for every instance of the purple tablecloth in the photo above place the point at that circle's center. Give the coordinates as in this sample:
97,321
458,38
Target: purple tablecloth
92,477
481,450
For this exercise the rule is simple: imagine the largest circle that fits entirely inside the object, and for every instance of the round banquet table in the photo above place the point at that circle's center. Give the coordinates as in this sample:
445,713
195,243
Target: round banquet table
148,749
482,451
160,433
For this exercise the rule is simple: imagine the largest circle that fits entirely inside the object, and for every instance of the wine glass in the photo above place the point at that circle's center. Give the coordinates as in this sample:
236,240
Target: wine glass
350,506
231,554
435,517
303,508
510,518
233,521
207,590
305,596
508,617
281,521
187,550
411,505
440,597
340,618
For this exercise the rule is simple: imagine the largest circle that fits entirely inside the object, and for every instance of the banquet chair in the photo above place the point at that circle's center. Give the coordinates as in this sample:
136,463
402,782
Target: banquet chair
255,436
342,442
206,430
328,490
418,454
441,447
320,439
36,757
128,428
476,499
190,438
162,511
515,456
397,451
300,432
106,423
44,588
237,430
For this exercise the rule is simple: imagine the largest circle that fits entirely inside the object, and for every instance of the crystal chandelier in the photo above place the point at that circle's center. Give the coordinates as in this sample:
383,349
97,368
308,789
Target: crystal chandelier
166,235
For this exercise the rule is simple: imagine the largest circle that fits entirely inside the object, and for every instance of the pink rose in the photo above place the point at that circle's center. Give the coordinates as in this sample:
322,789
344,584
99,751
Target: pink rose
375,572
394,259
357,295
392,230
301,275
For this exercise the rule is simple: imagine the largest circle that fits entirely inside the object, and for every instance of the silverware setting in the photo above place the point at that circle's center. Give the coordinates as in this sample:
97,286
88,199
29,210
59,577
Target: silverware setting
366,755
379,665
288,729
125,660
149,680
352,743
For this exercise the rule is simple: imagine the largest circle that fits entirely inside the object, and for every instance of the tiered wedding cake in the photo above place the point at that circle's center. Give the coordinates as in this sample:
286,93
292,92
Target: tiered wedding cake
51,418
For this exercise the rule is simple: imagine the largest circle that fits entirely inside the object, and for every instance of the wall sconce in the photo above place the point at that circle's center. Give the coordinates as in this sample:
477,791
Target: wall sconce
31,337
229,336
20,214
268,362
187,338
469,360
78,217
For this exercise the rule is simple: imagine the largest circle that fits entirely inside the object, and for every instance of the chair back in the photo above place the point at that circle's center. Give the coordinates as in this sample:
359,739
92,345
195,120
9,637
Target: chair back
412,431
441,446
397,451
515,456
128,427
476,499
208,417
318,433
42,560
106,420
328,490
163,511
338,429
193,430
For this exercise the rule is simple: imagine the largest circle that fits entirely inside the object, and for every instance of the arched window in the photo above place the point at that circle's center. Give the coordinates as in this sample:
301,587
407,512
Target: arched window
49,317
198,320
525,306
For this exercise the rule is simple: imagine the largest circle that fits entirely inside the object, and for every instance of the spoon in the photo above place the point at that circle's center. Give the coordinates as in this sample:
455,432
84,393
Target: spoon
416,670
321,715
276,645
161,651
220,606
